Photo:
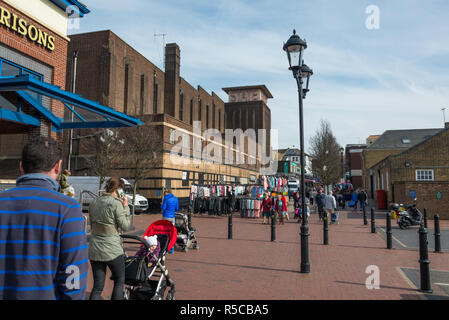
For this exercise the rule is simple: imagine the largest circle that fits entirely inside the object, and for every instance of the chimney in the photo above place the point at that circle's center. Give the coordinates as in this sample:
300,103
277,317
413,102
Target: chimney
172,71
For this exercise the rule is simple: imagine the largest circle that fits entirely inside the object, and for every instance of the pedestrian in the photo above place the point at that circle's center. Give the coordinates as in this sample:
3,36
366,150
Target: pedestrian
281,207
266,208
330,204
354,199
296,199
362,198
108,212
63,180
43,247
285,200
169,207
319,202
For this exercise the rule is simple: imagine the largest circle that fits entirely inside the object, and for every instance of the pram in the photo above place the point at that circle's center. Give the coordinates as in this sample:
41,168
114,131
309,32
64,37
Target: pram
186,234
156,279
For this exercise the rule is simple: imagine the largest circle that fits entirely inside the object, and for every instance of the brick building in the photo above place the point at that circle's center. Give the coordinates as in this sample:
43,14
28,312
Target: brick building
389,143
112,72
421,171
33,56
353,164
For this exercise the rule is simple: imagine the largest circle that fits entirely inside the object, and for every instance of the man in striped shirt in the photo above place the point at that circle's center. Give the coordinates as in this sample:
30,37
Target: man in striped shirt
43,246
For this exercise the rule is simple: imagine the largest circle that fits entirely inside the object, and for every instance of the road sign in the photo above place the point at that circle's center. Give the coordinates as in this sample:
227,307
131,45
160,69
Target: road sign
412,194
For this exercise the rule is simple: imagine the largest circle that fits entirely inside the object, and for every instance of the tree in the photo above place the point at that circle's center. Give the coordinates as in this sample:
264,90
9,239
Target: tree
326,153
106,145
141,151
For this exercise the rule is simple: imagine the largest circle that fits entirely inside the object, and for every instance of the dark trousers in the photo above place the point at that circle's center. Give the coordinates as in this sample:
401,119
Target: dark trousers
117,267
321,211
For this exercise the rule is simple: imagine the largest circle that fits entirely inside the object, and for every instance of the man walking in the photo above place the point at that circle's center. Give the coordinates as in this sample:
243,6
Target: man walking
362,197
319,200
330,205
43,246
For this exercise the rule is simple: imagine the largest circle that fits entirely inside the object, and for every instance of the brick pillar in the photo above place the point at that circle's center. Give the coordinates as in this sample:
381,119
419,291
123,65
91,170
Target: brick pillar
172,71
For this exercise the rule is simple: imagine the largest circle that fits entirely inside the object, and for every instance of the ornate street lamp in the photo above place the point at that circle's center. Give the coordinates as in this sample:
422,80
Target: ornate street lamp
294,48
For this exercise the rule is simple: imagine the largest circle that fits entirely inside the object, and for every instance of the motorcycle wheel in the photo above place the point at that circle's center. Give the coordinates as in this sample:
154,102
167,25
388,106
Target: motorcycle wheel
401,225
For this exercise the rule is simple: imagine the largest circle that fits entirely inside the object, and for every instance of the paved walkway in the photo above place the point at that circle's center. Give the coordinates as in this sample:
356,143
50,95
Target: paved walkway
252,267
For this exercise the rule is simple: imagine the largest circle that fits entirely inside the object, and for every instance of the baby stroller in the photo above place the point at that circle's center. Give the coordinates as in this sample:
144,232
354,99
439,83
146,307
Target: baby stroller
144,281
186,234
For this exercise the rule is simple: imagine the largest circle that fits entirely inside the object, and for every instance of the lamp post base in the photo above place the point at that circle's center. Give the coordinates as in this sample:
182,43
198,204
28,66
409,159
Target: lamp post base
305,265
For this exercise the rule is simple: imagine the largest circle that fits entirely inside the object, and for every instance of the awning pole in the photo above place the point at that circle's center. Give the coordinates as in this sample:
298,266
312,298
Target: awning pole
75,60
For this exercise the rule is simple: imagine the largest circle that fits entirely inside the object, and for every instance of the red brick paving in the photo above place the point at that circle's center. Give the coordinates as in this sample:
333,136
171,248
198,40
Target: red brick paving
252,267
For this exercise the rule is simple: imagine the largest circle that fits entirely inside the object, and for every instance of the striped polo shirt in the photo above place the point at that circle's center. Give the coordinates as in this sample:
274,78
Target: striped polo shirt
43,246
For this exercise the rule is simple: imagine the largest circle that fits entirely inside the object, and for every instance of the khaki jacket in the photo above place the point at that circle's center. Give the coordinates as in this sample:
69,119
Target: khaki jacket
106,216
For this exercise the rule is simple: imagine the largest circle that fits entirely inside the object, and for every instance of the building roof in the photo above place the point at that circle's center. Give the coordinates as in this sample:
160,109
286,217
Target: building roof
402,139
438,132
261,87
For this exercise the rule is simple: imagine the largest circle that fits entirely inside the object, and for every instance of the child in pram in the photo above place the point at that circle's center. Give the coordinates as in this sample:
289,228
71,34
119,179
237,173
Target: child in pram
154,247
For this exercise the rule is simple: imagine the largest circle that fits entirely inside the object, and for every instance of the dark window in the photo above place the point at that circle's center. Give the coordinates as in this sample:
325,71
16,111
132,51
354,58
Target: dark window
201,179
199,109
207,116
185,183
225,120
219,119
125,94
213,116
191,111
254,119
155,92
142,93
181,106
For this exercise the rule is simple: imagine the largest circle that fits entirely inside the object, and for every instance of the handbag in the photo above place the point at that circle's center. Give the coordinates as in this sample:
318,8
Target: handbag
136,270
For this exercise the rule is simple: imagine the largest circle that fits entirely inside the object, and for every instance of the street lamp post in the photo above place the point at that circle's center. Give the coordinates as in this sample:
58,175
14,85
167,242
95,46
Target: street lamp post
294,48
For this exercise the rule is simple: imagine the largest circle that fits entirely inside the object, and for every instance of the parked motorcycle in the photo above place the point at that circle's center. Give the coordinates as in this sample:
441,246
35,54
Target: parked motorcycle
411,217
396,210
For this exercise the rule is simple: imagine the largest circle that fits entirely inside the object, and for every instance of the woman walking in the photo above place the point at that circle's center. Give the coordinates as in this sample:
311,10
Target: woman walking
107,213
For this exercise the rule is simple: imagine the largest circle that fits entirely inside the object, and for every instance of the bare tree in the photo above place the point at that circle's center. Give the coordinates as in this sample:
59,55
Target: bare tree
106,146
141,152
326,153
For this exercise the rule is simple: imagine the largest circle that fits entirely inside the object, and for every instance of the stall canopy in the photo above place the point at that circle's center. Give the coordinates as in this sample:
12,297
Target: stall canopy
25,91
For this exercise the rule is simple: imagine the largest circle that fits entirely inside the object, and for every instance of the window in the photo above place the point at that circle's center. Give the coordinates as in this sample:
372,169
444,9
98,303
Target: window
181,106
185,182
155,91
213,116
424,175
142,93
207,116
200,106
219,119
172,136
191,112
125,93
9,69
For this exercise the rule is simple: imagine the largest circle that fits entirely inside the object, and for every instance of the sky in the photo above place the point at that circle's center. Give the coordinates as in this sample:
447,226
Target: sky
365,81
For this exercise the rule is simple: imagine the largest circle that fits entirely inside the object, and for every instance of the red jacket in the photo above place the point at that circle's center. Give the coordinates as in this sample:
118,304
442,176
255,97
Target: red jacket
266,205
284,204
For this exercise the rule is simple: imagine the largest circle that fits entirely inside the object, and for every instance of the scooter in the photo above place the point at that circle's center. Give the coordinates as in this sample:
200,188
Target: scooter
396,210
411,217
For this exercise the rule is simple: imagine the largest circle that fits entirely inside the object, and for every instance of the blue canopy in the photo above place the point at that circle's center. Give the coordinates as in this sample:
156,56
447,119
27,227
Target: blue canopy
79,112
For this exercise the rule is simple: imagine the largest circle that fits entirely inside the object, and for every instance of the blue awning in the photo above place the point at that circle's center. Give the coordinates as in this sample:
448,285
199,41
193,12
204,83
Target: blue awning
78,111
72,4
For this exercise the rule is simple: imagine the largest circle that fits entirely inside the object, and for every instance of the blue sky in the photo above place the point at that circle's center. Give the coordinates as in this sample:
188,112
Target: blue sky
365,81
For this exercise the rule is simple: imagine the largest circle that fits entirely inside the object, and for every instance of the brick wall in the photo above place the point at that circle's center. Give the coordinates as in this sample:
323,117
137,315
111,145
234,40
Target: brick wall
426,193
55,60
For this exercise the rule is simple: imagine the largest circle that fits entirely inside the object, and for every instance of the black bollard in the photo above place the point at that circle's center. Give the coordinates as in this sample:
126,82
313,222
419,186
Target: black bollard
424,261
373,221
325,230
437,233
425,218
230,226
365,220
389,232
273,226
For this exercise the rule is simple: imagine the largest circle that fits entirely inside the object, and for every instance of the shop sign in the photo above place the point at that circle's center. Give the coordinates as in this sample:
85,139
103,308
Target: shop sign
26,29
